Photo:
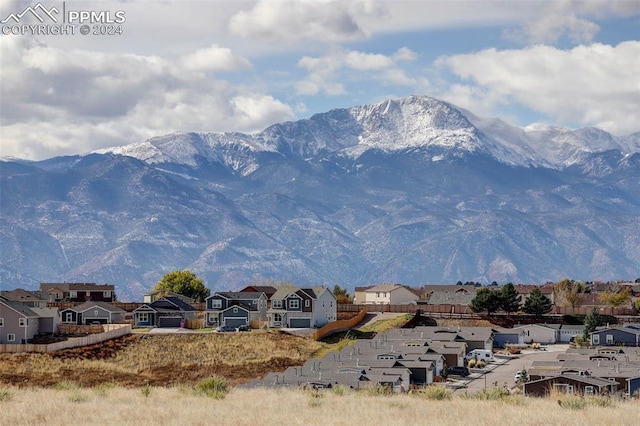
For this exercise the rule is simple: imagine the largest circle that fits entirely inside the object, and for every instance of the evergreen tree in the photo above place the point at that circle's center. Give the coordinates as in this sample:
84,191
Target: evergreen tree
537,304
591,321
510,298
486,300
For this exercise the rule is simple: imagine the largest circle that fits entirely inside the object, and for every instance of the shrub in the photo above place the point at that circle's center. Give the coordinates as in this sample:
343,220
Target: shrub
5,395
471,363
146,391
435,392
379,390
492,394
78,397
339,389
214,387
65,385
573,403
600,401
480,364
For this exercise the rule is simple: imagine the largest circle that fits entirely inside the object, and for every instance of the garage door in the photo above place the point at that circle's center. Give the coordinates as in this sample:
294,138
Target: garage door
300,322
169,321
89,321
235,322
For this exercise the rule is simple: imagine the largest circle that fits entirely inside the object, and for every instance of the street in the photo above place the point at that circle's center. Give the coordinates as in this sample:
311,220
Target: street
501,372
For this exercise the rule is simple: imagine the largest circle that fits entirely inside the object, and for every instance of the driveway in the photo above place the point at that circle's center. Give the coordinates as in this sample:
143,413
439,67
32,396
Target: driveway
167,330
502,371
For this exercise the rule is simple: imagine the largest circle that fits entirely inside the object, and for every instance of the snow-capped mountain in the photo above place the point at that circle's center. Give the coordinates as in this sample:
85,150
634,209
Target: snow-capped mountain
393,125
413,190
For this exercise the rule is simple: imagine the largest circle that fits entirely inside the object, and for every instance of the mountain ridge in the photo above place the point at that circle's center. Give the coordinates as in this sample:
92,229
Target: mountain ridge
379,193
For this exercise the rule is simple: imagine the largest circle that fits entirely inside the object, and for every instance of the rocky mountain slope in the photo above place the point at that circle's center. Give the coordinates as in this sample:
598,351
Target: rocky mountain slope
412,190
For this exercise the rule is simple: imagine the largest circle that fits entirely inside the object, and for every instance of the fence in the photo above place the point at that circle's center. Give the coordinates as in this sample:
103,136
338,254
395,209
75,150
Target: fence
339,325
113,331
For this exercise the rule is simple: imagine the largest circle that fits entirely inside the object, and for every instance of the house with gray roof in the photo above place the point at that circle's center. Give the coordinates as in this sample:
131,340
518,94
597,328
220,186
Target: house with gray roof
624,336
18,323
235,309
390,294
305,307
29,298
164,312
93,312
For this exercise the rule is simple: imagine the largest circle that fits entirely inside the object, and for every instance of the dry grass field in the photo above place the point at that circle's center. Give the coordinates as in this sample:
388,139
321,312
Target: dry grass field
161,360
108,405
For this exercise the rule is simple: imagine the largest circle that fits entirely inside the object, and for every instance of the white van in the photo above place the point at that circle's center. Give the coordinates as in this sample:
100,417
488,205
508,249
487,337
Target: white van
480,354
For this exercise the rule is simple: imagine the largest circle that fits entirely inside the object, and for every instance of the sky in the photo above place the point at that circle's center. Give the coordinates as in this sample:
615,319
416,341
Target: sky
217,66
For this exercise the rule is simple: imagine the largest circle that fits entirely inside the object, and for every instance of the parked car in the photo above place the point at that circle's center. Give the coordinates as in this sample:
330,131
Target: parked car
244,328
225,329
458,371
521,376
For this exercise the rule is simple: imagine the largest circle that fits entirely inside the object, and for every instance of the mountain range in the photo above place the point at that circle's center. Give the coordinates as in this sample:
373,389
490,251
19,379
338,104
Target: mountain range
413,190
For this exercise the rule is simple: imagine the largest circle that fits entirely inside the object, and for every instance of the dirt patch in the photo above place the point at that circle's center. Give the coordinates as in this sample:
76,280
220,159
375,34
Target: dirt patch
160,360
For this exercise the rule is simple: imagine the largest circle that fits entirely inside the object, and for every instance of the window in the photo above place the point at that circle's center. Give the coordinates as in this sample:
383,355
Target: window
143,317
596,339
277,318
307,303
276,304
609,339
255,302
294,304
68,317
11,337
588,390
23,322
95,312
1,322
377,294
216,303
73,294
235,309
106,294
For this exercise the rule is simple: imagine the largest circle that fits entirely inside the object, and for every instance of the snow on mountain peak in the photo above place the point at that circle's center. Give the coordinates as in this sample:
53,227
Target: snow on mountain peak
392,125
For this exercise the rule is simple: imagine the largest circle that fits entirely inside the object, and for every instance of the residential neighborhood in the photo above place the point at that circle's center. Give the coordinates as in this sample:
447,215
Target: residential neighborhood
399,359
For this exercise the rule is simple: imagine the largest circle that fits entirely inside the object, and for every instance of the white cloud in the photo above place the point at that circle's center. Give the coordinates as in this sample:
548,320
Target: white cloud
214,58
595,85
343,65
291,21
57,101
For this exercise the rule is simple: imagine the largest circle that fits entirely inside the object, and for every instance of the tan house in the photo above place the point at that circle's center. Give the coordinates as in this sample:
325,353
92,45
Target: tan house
390,294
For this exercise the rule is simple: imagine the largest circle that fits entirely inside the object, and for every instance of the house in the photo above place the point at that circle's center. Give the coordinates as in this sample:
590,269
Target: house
302,307
390,294
18,323
154,295
164,312
504,336
622,336
266,289
93,313
445,294
571,384
235,308
78,292
537,333
34,299
359,295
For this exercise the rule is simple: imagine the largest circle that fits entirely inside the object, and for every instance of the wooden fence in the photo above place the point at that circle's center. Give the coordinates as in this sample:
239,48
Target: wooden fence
464,310
111,331
339,325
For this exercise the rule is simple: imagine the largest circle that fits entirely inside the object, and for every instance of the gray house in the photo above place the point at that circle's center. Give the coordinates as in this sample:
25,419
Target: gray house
164,312
93,313
18,323
620,336
235,308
